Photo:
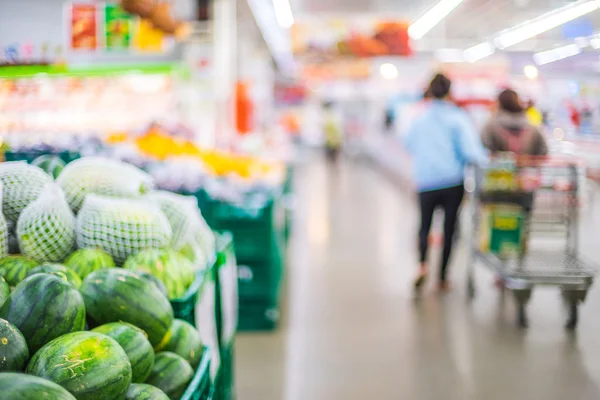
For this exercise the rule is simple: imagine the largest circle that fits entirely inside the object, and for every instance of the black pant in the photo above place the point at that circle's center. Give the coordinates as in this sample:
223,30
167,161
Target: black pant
449,199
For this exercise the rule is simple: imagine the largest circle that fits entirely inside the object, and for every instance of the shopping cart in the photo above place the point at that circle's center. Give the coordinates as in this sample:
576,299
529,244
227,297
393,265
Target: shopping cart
526,227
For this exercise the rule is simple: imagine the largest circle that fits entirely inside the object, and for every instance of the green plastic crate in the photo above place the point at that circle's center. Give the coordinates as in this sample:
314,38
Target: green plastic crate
29,156
260,281
258,315
200,388
185,307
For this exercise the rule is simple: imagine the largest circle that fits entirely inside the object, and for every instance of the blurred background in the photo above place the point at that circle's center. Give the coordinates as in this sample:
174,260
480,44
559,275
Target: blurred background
287,121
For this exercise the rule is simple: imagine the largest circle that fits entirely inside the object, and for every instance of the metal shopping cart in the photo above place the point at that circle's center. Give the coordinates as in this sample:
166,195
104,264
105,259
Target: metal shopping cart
526,227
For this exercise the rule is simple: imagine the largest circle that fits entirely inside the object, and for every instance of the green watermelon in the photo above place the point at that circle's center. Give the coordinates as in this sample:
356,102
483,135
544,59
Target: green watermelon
26,387
161,286
4,291
51,164
142,391
44,307
89,365
170,267
13,348
59,270
113,295
183,339
136,345
171,374
15,268
86,261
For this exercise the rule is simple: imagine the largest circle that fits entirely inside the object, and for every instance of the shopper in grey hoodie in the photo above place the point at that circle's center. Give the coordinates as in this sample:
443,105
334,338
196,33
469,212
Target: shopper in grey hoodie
510,131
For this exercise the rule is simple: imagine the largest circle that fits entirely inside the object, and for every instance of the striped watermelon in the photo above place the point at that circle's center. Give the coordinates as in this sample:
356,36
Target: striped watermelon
136,345
15,268
51,164
141,391
86,261
59,270
89,365
44,307
26,387
161,286
4,291
171,374
14,353
113,295
170,267
183,339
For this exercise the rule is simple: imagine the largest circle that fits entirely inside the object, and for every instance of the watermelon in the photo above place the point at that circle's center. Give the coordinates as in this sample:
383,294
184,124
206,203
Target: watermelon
50,164
113,295
86,261
13,348
89,365
15,268
4,291
136,345
171,374
59,270
171,268
141,391
183,339
44,307
26,387
161,286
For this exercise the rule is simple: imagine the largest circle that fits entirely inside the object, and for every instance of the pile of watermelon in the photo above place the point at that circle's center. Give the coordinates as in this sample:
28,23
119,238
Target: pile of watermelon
113,338
85,293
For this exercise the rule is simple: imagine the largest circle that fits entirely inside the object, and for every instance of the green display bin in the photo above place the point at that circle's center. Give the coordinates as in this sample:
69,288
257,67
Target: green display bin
185,307
201,386
258,315
29,156
260,281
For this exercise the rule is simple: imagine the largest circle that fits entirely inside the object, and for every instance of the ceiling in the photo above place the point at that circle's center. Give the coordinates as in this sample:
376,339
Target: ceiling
471,23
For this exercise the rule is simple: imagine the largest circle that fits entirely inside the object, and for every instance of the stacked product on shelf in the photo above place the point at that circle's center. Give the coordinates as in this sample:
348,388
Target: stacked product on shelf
101,300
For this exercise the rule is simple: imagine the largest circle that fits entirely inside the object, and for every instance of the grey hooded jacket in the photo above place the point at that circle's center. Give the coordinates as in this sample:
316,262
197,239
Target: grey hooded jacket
512,132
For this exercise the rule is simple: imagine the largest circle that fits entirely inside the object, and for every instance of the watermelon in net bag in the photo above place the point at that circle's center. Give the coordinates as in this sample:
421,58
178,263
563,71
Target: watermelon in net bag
4,231
21,184
97,175
187,224
46,227
121,227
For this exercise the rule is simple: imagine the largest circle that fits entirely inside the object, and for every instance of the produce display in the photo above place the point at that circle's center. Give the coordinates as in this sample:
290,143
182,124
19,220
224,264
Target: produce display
171,374
84,310
86,261
15,268
171,268
13,348
59,270
136,345
21,184
51,164
44,307
89,365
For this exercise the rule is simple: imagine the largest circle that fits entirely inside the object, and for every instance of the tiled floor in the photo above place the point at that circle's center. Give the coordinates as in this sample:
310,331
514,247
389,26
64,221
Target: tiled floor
352,331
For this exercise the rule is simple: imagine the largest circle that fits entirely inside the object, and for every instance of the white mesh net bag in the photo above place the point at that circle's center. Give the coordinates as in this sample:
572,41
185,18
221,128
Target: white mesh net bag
186,224
4,230
21,184
121,227
97,175
46,227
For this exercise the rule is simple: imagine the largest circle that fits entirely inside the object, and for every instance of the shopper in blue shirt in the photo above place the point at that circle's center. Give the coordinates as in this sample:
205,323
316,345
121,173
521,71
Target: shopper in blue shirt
442,142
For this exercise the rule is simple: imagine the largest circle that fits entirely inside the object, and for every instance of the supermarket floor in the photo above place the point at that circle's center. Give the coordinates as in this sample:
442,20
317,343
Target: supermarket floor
351,329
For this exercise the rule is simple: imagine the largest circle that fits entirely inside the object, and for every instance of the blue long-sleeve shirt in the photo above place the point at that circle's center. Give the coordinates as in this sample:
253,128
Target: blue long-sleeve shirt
442,141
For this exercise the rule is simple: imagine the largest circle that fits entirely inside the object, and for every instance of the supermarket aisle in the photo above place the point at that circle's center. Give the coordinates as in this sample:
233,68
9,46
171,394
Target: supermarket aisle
352,331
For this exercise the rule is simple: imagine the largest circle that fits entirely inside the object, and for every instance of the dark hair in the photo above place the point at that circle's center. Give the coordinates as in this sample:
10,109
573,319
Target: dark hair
509,101
439,87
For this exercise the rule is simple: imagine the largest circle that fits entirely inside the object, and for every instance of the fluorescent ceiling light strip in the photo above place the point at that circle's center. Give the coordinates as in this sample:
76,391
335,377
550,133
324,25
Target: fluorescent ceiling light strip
560,53
431,18
283,12
544,23
478,52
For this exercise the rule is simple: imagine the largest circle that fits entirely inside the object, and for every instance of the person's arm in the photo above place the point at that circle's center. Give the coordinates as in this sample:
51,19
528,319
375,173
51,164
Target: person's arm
469,142
540,144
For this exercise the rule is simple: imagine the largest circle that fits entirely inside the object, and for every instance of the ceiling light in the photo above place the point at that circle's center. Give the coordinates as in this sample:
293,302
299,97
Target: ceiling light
432,17
283,12
560,53
595,43
478,52
388,71
531,72
450,55
545,22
